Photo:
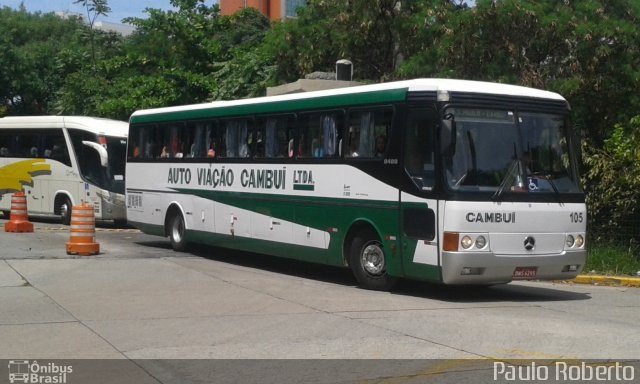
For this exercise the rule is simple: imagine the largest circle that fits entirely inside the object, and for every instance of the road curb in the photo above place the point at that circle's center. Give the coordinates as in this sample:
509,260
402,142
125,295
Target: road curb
614,281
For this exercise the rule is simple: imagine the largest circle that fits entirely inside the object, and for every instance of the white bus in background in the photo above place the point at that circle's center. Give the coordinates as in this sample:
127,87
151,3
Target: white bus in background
60,161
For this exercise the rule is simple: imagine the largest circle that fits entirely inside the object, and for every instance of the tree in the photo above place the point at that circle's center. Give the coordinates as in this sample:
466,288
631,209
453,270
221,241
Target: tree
94,9
37,52
587,51
363,31
613,183
177,57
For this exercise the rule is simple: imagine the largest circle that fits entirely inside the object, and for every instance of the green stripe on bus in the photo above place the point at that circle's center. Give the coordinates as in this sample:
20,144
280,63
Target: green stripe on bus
303,187
246,199
261,106
319,212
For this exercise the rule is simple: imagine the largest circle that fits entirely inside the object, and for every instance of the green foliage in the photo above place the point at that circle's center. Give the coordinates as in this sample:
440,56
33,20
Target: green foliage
605,259
35,59
363,31
175,57
613,182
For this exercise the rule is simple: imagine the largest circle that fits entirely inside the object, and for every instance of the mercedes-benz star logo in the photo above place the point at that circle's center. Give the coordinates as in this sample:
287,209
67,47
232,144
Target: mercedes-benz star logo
529,243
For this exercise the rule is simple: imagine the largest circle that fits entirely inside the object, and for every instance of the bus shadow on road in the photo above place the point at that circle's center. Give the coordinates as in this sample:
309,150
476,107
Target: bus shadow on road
291,267
514,292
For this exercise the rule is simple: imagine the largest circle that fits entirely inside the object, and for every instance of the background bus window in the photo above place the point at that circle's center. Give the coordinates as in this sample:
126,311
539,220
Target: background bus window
419,148
275,132
56,147
6,141
318,135
88,158
368,133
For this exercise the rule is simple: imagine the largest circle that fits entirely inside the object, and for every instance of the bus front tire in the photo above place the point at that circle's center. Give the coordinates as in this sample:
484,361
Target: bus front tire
65,210
368,263
177,232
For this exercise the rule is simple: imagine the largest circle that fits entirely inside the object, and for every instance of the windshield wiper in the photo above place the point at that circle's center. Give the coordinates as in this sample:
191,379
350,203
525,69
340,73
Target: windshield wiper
515,164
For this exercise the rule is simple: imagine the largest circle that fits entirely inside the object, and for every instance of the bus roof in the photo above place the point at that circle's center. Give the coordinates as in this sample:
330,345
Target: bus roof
381,93
95,125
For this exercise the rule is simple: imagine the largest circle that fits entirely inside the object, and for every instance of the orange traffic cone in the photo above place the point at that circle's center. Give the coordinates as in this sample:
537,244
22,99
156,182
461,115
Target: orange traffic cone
18,221
82,239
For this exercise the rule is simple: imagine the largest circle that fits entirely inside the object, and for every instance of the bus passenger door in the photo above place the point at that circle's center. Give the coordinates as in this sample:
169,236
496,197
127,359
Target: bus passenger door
418,207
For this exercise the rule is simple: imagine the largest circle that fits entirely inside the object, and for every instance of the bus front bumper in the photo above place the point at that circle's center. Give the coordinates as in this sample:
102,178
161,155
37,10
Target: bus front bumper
488,268
113,206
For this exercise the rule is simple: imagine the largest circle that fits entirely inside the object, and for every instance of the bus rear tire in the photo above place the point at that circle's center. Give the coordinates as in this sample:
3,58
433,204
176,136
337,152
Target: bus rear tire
368,263
176,230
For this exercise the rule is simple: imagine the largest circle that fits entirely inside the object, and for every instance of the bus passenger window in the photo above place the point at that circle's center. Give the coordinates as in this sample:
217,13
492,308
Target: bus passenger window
368,133
275,133
319,135
57,147
237,138
196,139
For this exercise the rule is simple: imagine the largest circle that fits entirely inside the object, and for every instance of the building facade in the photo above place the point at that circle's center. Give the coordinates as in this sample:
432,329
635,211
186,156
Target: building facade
273,9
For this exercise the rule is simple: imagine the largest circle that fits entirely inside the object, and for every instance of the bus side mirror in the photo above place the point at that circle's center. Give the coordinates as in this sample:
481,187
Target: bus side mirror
448,135
102,152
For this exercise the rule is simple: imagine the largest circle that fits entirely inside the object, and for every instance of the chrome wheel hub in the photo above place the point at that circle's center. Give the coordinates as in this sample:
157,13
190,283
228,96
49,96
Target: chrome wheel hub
372,259
177,230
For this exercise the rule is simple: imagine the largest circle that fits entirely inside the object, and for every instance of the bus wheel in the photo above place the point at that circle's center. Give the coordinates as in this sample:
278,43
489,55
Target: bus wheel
176,233
65,211
367,261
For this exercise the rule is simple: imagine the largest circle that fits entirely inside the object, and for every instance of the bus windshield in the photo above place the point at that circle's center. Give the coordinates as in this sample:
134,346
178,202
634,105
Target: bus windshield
110,177
504,151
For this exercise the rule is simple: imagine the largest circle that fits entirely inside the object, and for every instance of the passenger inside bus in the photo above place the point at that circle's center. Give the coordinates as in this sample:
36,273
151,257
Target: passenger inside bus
381,142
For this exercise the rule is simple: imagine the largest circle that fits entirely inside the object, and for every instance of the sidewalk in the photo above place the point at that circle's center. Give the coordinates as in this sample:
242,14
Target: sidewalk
616,281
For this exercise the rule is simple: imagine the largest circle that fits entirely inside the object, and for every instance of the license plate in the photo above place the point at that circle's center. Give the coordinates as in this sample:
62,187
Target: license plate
525,273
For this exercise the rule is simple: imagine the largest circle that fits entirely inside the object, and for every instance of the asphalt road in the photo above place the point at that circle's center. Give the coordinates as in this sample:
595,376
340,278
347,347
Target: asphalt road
154,311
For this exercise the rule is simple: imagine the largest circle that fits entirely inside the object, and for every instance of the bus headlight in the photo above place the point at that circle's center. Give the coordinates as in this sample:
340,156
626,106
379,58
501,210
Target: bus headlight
466,242
579,241
481,242
569,241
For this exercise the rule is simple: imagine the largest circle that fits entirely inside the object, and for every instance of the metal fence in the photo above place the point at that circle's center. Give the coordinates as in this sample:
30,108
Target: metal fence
615,231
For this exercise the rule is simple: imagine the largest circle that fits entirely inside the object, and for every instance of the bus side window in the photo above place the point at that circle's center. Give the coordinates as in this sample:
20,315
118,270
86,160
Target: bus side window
196,139
419,148
57,147
318,135
237,138
88,158
275,132
330,129
5,142
368,133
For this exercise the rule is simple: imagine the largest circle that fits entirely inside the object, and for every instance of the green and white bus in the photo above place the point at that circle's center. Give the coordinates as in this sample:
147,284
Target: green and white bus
59,161
439,180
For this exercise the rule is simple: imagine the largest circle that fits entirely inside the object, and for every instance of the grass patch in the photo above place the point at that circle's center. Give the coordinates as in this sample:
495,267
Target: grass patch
612,260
